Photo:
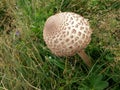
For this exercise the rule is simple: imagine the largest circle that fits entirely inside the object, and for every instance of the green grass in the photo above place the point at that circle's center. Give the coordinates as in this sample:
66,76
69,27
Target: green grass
27,64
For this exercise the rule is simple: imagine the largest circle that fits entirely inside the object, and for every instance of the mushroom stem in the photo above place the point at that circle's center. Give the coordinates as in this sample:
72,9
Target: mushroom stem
85,58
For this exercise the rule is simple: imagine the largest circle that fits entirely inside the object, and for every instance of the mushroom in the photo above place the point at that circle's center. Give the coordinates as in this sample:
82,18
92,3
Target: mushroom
67,33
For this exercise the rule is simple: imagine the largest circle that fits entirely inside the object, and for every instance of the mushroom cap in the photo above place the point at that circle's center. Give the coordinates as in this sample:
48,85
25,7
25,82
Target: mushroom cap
66,33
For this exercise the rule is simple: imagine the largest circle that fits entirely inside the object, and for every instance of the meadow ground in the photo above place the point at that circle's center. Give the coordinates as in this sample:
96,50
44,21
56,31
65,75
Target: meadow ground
27,64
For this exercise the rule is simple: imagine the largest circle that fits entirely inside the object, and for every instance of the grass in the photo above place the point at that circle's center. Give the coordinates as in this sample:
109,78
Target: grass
27,64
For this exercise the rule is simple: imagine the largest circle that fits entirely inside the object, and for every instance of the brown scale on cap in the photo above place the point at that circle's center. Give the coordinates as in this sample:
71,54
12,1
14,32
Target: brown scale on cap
65,32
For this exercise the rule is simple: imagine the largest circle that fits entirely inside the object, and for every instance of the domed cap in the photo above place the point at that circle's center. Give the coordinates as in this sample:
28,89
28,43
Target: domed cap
66,33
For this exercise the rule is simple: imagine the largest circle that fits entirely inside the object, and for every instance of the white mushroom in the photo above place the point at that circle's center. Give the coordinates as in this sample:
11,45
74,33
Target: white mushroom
66,34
